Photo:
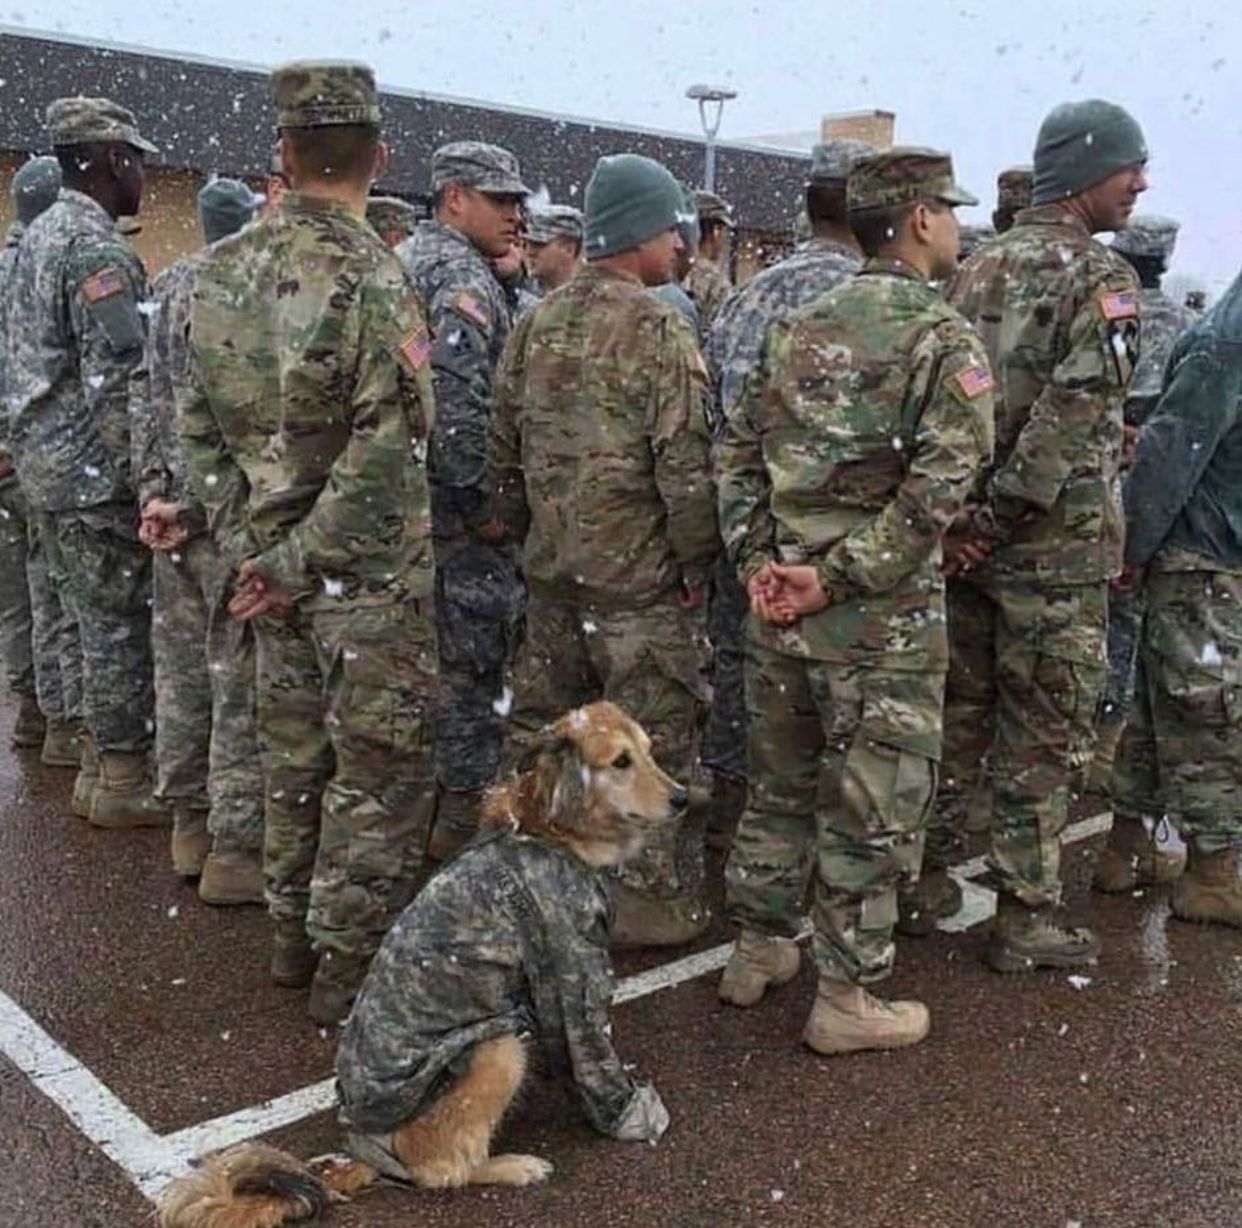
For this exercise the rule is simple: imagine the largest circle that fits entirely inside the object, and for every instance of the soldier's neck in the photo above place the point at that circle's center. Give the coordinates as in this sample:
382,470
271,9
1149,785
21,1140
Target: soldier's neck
352,195
843,236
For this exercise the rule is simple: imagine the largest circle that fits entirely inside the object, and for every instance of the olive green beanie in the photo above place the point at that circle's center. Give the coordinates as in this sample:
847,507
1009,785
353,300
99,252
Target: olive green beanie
1081,144
629,200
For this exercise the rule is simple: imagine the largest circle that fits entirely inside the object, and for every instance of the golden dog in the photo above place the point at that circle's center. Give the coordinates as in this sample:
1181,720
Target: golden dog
581,802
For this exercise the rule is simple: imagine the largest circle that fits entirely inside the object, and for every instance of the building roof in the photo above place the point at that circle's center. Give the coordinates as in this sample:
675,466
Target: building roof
211,116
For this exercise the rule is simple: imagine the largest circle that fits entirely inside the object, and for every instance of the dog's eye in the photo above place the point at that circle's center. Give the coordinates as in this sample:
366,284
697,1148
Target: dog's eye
622,761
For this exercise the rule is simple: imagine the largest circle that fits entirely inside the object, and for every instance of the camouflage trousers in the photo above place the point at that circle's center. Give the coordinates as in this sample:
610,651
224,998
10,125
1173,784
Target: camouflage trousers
842,763
478,608
650,662
106,577
56,648
206,749
1125,625
344,705
1182,748
1026,670
724,738
16,624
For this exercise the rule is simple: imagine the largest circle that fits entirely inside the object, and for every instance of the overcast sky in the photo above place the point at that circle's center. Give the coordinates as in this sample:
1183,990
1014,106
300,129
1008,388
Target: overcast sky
975,76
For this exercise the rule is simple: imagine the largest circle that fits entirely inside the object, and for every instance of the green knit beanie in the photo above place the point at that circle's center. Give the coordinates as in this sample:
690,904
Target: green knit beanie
224,207
35,187
1081,144
629,200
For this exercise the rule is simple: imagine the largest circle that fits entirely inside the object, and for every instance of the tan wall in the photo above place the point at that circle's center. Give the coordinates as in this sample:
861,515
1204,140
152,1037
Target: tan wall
873,126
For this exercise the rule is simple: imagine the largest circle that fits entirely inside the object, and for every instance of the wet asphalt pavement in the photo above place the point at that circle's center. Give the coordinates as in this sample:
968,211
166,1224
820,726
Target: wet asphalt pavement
1033,1103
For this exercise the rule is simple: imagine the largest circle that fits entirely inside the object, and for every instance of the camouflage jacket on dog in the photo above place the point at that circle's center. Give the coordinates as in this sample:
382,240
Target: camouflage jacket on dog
509,939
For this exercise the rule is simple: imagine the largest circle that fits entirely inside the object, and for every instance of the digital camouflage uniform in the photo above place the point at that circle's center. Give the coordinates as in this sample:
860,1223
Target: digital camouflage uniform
733,348
205,743
478,592
854,444
1182,749
600,463
304,420
77,286
510,939
1059,314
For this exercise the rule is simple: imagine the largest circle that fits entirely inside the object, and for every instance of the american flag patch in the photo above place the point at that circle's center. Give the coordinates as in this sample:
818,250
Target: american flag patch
415,348
103,284
468,306
1119,306
974,381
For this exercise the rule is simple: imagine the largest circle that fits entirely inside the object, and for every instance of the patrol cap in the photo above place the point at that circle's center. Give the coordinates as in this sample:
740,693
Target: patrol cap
554,222
902,175
1148,234
712,208
224,207
324,93
1013,188
391,213
474,164
832,161
79,120
35,186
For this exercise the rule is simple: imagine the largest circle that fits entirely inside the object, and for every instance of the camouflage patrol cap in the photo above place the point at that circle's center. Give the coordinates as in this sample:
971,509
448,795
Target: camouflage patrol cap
391,213
35,187
712,208
78,121
554,222
1013,188
832,161
902,175
324,93
474,164
1148,235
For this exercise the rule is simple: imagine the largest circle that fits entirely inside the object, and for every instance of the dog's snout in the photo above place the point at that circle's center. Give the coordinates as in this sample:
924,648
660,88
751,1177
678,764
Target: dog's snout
679,799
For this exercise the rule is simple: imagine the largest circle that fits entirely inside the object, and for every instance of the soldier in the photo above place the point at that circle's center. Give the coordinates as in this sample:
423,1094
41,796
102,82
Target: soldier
1182,749
1147,244
1059,314
76,287
202,715
1013,194
706,282
553,245
855,444
829,256
478,195
392,218
971,239
510,271
672,291
616,510
305,418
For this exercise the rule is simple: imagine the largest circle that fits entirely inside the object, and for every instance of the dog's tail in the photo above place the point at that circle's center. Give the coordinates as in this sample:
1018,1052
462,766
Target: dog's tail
256,1186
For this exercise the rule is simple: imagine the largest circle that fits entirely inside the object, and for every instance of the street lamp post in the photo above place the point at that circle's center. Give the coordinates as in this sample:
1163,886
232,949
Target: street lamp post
711,100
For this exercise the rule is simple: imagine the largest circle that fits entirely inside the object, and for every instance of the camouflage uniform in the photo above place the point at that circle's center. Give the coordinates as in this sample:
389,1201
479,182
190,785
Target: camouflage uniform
1059,314
854,444
478,592
708,288
616,510
1182,749
205,743
304,421
527,927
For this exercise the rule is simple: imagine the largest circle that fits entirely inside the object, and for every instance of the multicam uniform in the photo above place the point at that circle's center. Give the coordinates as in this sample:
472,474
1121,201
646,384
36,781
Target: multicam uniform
708,288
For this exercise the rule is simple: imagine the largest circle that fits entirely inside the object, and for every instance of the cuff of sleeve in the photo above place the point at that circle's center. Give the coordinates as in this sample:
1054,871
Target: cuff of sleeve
832,579
283,565
996,519
695,578
152,488
644,1119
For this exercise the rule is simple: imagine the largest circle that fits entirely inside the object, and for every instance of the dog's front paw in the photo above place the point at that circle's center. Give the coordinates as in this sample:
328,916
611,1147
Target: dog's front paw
512,1170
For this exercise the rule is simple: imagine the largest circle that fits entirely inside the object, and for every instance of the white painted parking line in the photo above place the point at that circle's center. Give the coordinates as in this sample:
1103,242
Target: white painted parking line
150,1160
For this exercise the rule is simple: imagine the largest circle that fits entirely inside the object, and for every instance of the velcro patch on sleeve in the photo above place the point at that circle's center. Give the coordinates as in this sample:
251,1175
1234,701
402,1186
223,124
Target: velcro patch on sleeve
470,307
415,349
975,381
1119,306
103,284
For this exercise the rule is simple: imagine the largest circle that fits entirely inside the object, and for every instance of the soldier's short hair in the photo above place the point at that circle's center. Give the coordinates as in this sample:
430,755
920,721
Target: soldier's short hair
825,203
344,152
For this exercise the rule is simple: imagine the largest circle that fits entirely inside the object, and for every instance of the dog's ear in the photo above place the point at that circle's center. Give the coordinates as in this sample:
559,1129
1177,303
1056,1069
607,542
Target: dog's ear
556,773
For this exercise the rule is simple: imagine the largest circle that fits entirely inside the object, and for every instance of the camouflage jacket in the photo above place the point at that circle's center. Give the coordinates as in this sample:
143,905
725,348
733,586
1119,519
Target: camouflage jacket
157,456
1059,314
8,257
470,321
1163,322
76,336
307,405
599,446
1184,490
510,939
672,293
857,439
733,346
708,288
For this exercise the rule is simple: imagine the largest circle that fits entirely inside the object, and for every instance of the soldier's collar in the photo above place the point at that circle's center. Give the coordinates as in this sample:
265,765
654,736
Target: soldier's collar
300,202
594,269
894,267
1054,214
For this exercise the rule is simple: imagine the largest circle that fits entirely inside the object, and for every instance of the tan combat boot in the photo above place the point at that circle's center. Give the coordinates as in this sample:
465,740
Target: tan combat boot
338,978
727,803
1024,939
86,784
231,876
29,727
62,744
190,842
124,797
1132,858
456,821
641,920
293,956
1209,890
758,960
936,895
846,1019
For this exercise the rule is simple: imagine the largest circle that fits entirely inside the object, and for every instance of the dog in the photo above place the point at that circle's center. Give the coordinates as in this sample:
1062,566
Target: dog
508,942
